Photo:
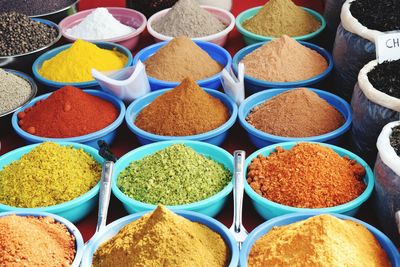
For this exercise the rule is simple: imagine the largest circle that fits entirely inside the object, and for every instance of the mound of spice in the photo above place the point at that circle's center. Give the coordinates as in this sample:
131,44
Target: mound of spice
14,91
280,17
395,139
385,77
296,113
20,34
35,241
99,24
76,63
67,112
183,176
49,174
163,238
284,60
34,7
181,58
380,15
149,7
187,18
322,240
185,110
306,176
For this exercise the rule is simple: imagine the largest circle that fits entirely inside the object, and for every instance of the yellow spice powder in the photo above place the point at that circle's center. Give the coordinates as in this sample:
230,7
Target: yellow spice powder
279,17
163,238
76,63
322,240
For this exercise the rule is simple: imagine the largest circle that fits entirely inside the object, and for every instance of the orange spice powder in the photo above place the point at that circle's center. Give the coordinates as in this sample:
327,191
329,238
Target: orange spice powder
306,176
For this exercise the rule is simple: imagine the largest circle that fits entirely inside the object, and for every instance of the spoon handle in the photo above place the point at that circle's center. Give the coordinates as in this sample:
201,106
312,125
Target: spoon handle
239,156
397,215
105,193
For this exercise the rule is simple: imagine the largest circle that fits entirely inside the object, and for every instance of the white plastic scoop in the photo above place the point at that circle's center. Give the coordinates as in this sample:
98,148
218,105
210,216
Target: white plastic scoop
234,86
127,84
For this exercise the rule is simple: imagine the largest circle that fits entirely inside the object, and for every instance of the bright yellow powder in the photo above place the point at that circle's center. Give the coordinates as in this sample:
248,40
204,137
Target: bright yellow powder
320,241
75,63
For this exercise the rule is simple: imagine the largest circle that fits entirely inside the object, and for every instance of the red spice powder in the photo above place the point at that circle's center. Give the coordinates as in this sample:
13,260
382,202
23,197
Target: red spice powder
68,112
306,176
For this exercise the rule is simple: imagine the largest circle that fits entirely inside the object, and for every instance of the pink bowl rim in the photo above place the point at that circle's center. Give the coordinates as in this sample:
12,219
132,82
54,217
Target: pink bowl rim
135,33
207,38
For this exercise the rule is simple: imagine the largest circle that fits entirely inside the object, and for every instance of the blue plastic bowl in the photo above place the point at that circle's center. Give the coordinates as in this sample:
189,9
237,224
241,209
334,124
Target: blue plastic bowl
264,228
52,85
210,206
215,137
112,229
252,38
79,245
107,134
216,52
254,85
73,210
269,209
261,139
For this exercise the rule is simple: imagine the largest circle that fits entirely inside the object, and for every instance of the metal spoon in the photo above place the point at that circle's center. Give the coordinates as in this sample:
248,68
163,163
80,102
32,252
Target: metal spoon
237,228
397,215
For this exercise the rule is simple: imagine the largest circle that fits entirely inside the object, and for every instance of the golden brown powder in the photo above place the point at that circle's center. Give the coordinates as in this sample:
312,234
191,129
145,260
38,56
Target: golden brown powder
181,58
319,241
279,17
163,238
284,60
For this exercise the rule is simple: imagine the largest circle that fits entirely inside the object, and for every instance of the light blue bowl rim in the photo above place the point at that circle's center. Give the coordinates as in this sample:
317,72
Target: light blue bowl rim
303,216
203,136
79,139
79,245
157,46
267,95
231,243
246,33
369,177
66,205
59,49
248,49
196,205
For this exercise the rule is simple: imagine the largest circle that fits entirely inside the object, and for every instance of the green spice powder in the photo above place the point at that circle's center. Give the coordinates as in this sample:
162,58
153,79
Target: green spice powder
49,174
175,175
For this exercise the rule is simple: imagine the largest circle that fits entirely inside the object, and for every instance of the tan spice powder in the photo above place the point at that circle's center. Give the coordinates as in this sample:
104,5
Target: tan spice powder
35,241
296,113
284,60
163,238
322,240
181,58
306,176
279,17
185,110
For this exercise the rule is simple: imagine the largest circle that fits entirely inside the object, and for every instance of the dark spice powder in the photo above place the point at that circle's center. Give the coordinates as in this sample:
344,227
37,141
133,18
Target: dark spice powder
380,15
185,110
385,77
395,139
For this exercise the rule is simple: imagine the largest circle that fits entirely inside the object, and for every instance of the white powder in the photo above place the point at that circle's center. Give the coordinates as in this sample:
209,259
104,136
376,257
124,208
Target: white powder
99,25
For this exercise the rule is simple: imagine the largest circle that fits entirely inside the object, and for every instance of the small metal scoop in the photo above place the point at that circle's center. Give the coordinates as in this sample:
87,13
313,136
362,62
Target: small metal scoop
237,228
397,215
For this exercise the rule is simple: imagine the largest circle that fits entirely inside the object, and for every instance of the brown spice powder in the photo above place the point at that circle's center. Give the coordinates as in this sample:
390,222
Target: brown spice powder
306,176
181,58
185,110
284,60
322,240
35,241
296,113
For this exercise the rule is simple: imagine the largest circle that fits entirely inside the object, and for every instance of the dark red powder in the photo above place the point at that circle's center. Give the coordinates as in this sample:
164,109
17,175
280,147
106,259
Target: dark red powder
68,112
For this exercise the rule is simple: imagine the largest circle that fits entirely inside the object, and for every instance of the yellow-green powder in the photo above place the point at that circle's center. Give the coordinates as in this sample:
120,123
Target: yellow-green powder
49,174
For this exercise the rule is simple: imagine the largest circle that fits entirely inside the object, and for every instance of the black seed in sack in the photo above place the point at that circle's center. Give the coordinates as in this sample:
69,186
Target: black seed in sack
149,7
385,77
380,15
395,139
